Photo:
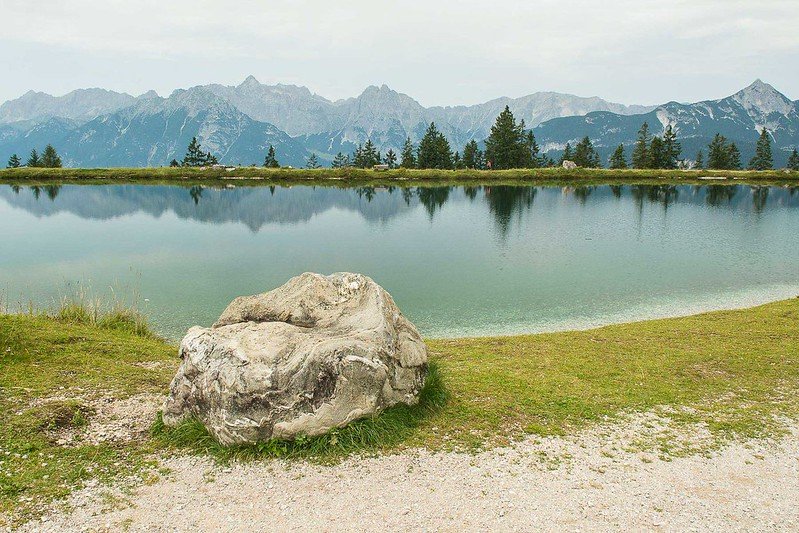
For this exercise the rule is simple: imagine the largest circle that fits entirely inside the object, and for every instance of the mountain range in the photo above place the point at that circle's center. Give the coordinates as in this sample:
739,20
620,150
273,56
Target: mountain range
99,128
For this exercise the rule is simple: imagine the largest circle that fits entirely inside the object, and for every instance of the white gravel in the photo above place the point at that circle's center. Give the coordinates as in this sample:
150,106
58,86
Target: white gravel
594,481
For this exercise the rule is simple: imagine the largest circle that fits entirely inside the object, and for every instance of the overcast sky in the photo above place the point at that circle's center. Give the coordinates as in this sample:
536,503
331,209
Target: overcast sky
438,51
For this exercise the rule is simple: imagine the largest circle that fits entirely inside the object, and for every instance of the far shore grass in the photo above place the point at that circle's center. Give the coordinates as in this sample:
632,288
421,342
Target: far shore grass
353,176
734,372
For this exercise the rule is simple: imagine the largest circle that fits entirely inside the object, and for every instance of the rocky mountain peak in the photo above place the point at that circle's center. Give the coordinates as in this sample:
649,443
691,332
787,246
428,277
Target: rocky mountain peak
249,82
761,99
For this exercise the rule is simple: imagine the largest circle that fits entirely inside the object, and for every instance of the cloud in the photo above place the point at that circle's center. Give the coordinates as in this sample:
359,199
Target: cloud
440,52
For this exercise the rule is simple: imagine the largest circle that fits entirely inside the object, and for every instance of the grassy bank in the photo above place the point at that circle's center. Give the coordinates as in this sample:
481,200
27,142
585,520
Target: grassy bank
258,175
735,371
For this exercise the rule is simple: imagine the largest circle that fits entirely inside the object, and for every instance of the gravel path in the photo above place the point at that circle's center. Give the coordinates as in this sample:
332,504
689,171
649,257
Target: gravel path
592,481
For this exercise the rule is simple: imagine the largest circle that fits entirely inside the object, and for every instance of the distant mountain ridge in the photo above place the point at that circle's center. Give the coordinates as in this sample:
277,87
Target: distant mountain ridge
95,127
739,117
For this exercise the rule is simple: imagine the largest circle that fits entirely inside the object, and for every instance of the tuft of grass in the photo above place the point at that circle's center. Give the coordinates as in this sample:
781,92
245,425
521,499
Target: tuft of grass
382,432
117,317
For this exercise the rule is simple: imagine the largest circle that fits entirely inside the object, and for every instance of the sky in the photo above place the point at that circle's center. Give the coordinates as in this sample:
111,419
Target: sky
441,52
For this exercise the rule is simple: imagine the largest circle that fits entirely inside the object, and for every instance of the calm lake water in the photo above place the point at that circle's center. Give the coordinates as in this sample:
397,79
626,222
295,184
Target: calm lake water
459,261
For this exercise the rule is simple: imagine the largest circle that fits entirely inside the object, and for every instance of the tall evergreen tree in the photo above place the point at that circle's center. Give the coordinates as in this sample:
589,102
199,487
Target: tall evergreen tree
717,153
533,151
434,150
50,158
672,148
470,154
34,160
658,156
734,156
566,155
793,160
617,159
762,159
174,163
366,155
457,161
313,161
371,154
341,161
408,155
270,161
699,164
585,155
14,162
390,159
195,157
507,146
640,157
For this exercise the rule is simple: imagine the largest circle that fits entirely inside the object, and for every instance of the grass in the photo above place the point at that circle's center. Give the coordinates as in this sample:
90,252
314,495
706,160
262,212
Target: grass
243,175
735,372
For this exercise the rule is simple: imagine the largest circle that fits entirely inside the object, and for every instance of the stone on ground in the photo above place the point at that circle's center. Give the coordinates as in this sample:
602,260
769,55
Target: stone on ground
307,357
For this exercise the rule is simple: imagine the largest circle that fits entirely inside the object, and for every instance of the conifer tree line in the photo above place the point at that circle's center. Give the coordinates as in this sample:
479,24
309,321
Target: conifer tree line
49,158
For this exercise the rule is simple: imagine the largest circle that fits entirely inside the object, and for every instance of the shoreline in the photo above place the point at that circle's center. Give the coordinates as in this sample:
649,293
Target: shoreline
734,301
724,377
254,176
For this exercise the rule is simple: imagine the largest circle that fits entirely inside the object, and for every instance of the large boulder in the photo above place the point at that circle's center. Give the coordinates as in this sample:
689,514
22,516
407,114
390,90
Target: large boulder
312,355
569,165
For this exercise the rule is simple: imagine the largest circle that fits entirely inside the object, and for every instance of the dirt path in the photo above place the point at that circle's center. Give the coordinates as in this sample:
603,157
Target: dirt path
590,482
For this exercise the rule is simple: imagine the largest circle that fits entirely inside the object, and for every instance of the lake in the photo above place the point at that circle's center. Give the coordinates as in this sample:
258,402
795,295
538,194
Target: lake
459,261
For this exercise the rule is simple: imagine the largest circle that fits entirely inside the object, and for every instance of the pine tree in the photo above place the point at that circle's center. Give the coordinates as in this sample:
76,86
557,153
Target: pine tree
533,152
434,150
734,157
174,163
793,160
718,153
366,155
617,160
699,164
567,154
270,161
671,147
14,162
585,155
470,154
33,159
658,157
195,157
457,162
50,158
640,158
762,159
507,144
341,161
312,162
408,156
390,159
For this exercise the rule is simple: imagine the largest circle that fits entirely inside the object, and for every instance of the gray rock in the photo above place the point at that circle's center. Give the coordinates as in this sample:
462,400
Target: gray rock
569,165
307,357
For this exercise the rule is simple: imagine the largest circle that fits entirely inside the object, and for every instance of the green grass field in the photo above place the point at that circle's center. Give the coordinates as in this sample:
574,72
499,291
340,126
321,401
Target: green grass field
258,175
736,372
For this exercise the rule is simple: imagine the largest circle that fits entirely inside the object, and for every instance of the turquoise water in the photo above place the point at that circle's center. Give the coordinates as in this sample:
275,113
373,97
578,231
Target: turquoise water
458,261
